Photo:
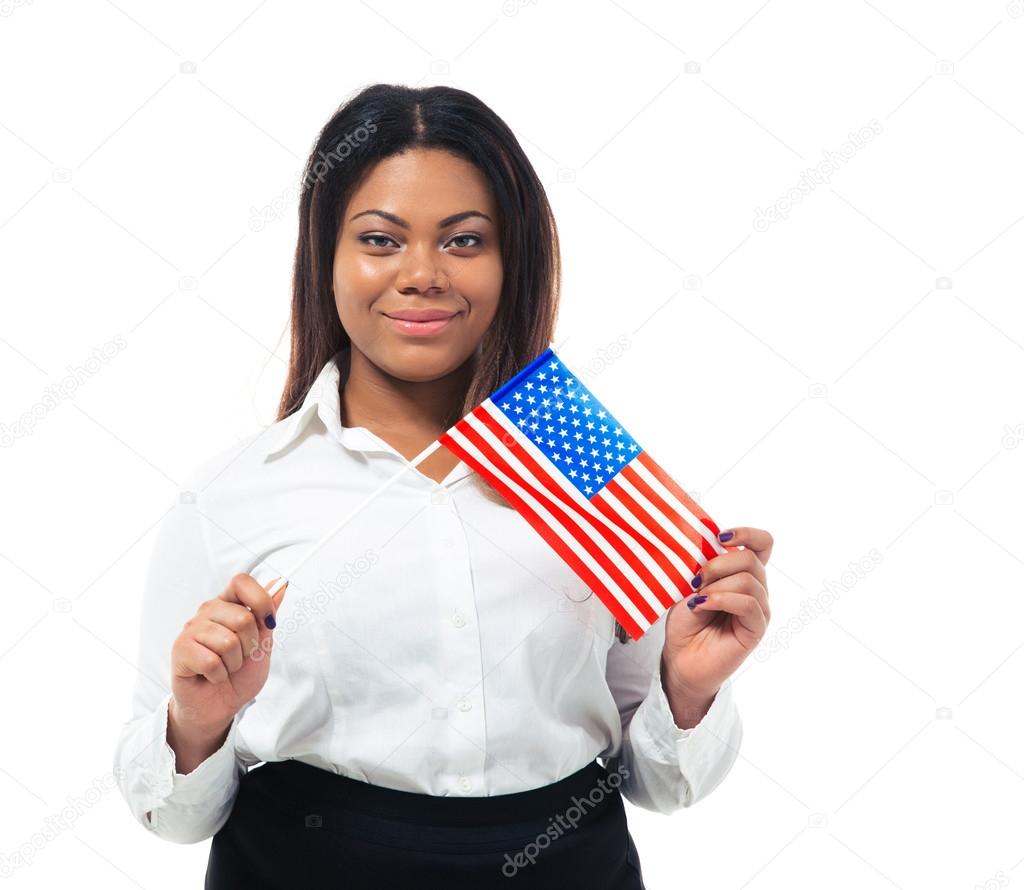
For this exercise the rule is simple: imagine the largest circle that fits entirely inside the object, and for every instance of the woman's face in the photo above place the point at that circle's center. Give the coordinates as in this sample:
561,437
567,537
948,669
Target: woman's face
420,232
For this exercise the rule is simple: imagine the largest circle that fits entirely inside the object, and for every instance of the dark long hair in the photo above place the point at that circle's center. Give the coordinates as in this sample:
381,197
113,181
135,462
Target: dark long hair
378,122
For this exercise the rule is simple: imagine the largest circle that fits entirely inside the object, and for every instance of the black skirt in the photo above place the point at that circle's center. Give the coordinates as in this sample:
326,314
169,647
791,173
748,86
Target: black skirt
296,826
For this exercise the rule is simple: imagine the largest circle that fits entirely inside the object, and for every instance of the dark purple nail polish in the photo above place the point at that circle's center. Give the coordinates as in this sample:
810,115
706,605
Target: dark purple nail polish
696,601
697,579
724,536
270,621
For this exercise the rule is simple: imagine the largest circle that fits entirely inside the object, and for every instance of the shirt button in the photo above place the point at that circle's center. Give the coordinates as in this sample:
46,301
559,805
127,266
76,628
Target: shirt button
439,497
464,705
458,620
465,784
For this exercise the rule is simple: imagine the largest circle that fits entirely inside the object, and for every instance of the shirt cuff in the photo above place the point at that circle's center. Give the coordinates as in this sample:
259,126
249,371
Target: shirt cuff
194,787
157,768
654,728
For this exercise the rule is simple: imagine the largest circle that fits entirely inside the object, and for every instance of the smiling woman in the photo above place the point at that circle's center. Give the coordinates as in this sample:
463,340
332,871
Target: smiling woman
435,211
423,723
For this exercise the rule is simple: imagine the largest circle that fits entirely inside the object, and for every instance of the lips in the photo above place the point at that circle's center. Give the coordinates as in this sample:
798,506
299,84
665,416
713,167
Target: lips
421,315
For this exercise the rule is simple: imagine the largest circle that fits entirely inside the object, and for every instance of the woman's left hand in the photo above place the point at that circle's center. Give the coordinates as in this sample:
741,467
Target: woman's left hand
705,645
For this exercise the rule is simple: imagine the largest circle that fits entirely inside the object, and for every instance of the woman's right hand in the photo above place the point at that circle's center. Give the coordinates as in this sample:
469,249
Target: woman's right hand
219,661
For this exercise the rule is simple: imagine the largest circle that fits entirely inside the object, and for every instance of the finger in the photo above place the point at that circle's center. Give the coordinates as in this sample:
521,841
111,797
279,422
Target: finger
277,595
274,590
194,659
222,640
756,539
246,590
730,563
743,583
237,619
746,609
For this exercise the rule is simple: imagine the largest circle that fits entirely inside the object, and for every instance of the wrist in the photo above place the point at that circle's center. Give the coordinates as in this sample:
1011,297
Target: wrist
191,738
688,704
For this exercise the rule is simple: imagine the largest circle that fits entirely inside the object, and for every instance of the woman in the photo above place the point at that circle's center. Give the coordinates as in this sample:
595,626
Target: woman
431,706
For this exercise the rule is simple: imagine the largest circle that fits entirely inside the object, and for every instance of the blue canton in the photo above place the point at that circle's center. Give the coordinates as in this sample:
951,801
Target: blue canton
564,420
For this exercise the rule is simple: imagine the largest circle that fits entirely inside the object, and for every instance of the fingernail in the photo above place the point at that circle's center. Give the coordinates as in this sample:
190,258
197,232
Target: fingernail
724,536
697,579
270,622
696,601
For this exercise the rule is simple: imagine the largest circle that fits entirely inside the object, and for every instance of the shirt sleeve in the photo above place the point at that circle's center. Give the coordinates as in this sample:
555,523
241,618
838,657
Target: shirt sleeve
180,808
665,768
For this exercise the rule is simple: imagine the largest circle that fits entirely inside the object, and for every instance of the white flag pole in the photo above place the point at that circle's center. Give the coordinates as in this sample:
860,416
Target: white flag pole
423,455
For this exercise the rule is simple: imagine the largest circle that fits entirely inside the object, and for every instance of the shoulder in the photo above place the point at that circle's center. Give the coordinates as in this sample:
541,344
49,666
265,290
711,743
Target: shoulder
234,463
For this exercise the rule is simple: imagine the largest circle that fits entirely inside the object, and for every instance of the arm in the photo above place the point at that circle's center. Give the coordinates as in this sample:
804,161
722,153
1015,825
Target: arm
667,765
186,796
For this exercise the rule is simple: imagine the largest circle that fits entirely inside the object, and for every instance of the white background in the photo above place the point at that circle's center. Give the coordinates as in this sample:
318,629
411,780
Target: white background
848,378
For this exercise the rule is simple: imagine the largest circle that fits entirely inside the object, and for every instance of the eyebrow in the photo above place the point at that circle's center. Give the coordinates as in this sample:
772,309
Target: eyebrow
447,221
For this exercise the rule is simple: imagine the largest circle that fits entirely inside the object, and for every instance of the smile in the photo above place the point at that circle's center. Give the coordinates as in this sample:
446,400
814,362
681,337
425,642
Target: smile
420,328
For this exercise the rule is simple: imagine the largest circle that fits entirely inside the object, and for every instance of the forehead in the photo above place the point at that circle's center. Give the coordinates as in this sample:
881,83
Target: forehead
423,186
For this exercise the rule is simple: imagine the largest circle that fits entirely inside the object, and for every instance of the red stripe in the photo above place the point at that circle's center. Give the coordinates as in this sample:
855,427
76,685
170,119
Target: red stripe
655,469
545,531
670,513
652,525
655,552
539,472
509,441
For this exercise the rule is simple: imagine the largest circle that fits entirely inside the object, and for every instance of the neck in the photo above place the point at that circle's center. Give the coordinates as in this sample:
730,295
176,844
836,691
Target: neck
400,409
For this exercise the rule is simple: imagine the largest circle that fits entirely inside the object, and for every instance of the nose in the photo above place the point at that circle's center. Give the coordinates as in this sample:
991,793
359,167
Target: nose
420,271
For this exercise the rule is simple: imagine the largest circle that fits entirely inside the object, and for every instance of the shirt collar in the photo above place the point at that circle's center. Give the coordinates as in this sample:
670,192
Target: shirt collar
323,401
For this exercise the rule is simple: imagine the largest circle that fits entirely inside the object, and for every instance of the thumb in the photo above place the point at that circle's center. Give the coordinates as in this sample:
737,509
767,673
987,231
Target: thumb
278,597
267,633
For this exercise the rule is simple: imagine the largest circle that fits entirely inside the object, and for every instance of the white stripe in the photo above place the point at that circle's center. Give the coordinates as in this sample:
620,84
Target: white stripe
628,516
660,518
684,511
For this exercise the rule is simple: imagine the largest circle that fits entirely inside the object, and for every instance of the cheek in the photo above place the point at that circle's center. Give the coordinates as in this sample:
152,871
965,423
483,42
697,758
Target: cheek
359,274
481,283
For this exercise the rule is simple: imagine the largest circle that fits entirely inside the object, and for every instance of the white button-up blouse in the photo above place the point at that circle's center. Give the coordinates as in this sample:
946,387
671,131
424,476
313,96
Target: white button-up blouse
436,644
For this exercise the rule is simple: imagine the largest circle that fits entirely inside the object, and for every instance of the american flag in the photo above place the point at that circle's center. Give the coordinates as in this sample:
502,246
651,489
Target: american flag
560,458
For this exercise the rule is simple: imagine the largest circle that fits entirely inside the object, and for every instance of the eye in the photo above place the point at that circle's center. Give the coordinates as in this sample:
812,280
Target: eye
478,239
366,239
